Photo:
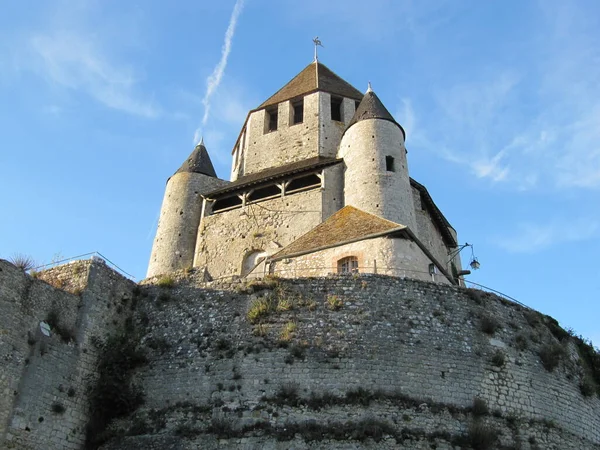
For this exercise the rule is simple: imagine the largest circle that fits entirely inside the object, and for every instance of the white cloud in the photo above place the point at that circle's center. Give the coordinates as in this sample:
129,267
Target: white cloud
491,168
214,80
532,238
528,121
74,61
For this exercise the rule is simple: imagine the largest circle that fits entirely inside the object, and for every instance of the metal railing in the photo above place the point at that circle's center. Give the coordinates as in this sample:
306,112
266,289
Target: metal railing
91,255
368,271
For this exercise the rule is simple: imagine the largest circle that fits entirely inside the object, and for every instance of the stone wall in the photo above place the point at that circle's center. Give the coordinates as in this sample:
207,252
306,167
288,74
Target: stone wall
289,143
368,185
364,361
317,135
175,240
236,365
429,234
44,380
226,238
386,256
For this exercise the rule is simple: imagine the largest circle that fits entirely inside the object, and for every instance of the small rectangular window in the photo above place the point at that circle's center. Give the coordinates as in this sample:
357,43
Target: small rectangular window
389,164
336,109
271,119
298,112
348,265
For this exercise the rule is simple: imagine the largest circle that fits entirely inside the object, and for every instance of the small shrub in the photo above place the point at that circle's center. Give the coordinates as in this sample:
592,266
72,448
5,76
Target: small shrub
288,394
359,396
297,351
23,262
284,304
187,431
259,308
311,305
499,358
557,331
480,407
521,342
287,333
481,436
477,295
550,355
163,298
587,386
139,427
222,427
165,281
532,317
159,344
488,325
334,302
222,344
58,408
71,392
53,319
260,330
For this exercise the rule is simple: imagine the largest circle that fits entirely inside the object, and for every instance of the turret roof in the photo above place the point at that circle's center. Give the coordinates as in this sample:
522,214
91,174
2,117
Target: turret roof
198,162
371,107
314,77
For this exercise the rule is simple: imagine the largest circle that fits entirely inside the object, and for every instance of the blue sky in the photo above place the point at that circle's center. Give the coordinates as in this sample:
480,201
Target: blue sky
101,101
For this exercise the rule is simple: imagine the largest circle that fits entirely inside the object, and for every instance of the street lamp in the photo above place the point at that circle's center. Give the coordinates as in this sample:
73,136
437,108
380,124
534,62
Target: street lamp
474,264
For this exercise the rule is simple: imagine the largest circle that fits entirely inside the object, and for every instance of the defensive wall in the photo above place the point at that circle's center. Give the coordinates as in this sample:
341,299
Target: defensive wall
44,380
365,361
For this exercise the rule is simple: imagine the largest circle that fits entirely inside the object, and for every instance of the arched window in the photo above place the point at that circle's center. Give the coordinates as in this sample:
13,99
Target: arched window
251,260
348,265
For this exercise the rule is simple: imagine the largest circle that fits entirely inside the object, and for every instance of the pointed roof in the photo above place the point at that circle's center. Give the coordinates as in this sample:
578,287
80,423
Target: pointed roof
314,77
198,162
349,224
372,108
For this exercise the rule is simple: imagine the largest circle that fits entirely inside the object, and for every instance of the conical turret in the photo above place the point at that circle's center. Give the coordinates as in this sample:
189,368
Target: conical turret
198,162
180,213
376,177
371,107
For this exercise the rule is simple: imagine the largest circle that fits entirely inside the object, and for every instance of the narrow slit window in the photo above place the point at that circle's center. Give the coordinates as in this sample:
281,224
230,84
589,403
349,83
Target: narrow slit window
336,109
389,164
271,120
298,112
356,103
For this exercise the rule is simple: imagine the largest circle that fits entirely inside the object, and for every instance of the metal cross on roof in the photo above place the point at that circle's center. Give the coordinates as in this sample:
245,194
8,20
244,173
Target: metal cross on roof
317,42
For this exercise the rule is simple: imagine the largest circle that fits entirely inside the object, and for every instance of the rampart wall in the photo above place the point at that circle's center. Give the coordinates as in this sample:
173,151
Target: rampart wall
44,380
365,361
256,360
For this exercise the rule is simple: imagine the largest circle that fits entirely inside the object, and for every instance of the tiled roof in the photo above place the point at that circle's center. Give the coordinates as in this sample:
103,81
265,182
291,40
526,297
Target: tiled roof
347,225
275,173
371,108
198,162
314,77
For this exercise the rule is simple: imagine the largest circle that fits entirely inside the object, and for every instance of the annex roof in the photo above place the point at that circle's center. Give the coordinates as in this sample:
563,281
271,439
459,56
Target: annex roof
275,173
314,77
349,224
371,107
198,162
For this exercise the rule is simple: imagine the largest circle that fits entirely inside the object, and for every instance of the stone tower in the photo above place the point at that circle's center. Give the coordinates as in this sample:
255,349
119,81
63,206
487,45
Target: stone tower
376,178
173,247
